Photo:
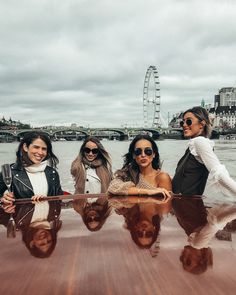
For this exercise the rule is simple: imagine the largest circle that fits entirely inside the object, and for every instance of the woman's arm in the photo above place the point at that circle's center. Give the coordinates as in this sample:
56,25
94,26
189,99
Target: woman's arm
119,187
218,173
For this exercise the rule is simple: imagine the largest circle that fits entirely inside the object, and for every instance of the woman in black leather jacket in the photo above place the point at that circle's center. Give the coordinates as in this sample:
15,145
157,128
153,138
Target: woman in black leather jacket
34,174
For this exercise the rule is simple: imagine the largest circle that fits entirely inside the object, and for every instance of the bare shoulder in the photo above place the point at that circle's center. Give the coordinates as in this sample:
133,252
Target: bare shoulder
161,176
163,180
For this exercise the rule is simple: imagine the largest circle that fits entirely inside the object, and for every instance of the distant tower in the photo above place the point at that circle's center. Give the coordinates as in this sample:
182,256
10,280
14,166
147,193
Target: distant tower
203,103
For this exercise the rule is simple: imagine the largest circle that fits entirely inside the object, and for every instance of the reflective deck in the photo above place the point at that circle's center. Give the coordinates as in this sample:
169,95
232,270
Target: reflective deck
109,261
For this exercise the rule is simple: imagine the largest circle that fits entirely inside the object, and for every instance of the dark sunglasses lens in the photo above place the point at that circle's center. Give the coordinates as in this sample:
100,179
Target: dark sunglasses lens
148,151
138,152
143,234
139,234
93,219
88,150
149,234
188,122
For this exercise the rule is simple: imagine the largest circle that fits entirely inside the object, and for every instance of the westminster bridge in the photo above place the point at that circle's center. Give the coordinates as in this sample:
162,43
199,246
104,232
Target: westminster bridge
80,133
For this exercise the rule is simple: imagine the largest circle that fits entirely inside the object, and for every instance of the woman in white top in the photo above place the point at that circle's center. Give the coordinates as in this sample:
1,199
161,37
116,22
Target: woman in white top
92,174
197,165
199,159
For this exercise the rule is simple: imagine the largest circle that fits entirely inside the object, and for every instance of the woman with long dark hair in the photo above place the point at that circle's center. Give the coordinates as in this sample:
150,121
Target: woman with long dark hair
142,174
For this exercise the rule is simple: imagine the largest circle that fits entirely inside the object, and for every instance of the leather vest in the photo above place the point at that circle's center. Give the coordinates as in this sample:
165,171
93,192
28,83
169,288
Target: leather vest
190,176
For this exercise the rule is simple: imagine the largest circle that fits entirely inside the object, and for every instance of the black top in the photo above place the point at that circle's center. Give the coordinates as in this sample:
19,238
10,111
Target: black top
190,176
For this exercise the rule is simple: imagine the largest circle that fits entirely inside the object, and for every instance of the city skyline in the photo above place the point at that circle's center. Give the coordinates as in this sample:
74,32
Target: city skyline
74,62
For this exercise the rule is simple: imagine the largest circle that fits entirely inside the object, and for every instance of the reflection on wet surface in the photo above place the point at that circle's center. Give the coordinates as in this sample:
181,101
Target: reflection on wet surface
120,245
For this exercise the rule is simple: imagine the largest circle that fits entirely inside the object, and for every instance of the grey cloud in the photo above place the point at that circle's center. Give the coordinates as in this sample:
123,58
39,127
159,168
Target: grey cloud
85,61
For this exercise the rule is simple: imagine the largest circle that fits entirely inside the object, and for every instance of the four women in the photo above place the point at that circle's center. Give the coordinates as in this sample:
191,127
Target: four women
34,175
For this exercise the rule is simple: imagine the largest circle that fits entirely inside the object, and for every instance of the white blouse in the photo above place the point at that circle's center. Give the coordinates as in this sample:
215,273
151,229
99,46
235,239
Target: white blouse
202,149
217,218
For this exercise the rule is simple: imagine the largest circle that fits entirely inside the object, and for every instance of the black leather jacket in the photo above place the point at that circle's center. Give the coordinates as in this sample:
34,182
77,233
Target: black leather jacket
22,188
24,213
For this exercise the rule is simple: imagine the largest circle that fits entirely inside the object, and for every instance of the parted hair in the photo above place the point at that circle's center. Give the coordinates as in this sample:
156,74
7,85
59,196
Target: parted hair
102,153
130,169
21,156
202,115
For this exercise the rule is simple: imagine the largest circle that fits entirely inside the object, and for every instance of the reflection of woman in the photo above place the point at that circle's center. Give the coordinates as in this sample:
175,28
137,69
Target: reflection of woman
141,174
200,224
199,159
40,237
142,218
92,174
39,234
192,217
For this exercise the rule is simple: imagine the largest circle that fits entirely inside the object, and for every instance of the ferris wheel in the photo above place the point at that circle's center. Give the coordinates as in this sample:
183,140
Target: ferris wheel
151,98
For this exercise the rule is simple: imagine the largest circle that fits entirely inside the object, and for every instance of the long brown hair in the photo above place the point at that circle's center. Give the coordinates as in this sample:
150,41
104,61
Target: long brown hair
102,164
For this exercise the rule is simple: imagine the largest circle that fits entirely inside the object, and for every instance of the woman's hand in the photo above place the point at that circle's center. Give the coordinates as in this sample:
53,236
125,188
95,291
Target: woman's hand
166,195
7,202
37,199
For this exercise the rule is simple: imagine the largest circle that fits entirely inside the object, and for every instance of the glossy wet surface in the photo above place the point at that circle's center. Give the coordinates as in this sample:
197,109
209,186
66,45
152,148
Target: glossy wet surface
109,261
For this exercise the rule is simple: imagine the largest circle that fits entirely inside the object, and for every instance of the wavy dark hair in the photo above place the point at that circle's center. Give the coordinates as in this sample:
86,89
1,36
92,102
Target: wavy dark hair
132,219
21,156
102,153
130,169
202,115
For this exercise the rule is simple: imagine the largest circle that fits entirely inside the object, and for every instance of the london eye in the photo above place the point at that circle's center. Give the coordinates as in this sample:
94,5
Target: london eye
151,98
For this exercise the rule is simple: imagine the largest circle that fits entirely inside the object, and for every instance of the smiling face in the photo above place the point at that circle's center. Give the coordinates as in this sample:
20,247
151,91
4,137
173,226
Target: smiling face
192,126
36,151
42,240
143,153
90,151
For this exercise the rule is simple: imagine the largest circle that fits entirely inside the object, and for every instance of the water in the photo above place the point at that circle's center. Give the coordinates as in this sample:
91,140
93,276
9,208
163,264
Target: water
170,152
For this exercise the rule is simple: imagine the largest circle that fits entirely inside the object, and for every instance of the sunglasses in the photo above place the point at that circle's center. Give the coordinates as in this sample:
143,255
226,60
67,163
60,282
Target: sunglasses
88,150
187,121
147,151
92,219
144,234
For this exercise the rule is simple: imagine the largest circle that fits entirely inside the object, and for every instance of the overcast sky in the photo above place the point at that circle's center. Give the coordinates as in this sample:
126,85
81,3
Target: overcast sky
84,61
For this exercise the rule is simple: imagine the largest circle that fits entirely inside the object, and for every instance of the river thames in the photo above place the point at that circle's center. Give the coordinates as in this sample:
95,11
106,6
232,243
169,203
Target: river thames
108,262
